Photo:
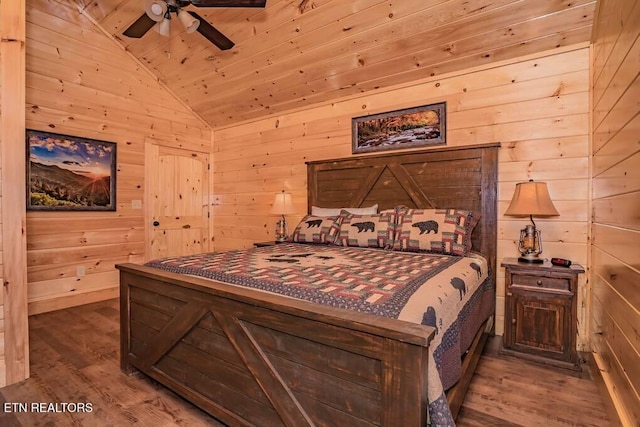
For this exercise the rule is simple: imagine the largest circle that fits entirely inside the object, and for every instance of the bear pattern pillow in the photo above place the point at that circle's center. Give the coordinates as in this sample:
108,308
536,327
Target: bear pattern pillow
442,231
315,229
368,231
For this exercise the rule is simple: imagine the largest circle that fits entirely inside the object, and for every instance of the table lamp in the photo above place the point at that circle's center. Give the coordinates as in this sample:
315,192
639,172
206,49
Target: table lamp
282,205
531,198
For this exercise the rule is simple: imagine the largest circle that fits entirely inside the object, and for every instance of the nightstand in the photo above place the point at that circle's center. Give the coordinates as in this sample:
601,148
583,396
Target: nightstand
540,319
269,243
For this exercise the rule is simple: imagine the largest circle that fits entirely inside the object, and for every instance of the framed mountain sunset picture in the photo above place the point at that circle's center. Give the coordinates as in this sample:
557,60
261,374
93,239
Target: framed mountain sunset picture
70,173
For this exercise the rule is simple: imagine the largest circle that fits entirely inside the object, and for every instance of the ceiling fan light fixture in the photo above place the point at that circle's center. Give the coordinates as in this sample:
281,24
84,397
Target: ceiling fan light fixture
157,13
156,9
190,23
164,26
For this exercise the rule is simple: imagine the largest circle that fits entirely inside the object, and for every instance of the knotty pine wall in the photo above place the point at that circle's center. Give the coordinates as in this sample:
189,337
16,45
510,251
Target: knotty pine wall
615,250
537,107
80,82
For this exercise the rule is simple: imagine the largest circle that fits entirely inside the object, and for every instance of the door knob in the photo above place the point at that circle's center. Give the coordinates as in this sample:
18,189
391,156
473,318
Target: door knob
156,223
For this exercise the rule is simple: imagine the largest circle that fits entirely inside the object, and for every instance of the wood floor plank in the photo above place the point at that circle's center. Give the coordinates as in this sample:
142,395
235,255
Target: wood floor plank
473,418
65,383
570,394
510,391
75,358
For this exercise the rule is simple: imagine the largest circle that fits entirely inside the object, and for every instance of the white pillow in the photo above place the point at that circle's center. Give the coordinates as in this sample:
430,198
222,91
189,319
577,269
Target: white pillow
370,210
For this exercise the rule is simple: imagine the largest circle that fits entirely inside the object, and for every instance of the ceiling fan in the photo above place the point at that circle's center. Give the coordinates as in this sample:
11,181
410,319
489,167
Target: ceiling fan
159,12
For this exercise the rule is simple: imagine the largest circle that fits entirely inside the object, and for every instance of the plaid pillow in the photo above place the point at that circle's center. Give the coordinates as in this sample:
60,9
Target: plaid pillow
316,229
442,231
368,231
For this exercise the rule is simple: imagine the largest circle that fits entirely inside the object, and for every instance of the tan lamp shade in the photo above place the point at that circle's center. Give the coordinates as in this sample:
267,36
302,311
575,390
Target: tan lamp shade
282,204
531,198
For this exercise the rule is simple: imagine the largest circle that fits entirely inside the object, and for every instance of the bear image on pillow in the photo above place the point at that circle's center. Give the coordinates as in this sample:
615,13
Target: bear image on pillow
442,231
427,226
367,231
364,226
313,229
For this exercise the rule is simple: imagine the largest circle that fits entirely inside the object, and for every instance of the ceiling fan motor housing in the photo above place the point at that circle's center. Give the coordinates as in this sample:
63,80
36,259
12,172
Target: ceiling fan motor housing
159,11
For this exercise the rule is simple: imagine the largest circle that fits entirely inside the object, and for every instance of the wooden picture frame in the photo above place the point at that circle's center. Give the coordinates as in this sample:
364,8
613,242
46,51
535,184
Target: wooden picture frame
400,129
69,173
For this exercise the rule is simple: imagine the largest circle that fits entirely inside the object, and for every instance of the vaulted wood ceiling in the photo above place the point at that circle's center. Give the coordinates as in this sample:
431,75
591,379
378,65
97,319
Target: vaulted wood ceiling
295,53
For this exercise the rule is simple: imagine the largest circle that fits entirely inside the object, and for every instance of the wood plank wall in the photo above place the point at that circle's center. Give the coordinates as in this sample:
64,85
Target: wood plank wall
537,107
81,83
615,249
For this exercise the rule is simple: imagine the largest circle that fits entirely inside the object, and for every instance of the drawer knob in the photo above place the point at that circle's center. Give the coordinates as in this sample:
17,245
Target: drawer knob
513,321
539,282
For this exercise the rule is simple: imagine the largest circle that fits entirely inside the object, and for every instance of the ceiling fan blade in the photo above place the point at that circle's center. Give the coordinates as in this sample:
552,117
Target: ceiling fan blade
211,34
229,3
140,27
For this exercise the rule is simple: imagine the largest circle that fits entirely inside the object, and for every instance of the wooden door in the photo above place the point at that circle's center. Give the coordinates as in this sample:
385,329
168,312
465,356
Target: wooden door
178,195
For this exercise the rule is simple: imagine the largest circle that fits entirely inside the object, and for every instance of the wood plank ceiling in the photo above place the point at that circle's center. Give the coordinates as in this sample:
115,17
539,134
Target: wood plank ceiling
295,53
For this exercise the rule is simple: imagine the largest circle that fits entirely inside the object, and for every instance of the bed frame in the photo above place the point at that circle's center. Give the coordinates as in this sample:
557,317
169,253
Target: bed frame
250,358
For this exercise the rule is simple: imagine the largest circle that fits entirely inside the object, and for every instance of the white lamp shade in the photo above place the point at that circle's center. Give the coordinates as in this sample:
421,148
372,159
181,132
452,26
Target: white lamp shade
156,9
282,204
164,27
531,198
190,23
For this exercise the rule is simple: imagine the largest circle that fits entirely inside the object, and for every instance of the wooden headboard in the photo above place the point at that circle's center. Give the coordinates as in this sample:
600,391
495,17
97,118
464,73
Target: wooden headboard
461,177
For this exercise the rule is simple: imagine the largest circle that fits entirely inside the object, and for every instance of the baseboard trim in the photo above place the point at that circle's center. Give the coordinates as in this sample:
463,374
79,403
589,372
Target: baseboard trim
73,300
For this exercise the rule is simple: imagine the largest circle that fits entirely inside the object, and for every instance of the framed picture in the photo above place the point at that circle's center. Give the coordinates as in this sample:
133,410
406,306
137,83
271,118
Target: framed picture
407,128
69,173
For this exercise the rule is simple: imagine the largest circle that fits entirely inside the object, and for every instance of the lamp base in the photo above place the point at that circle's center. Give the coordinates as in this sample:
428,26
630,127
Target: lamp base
282,230
531,260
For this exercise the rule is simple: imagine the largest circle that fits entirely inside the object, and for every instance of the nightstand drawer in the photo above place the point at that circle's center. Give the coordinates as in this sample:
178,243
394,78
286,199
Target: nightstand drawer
541,282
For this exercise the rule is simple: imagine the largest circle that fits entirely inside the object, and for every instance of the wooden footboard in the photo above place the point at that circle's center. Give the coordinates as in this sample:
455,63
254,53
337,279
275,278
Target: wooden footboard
251,358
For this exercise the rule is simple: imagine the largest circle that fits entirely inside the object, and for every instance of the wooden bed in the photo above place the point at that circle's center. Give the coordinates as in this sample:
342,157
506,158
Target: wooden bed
250,358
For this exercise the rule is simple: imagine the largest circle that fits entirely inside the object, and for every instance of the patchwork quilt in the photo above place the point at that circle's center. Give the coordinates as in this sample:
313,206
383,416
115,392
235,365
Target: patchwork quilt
450,293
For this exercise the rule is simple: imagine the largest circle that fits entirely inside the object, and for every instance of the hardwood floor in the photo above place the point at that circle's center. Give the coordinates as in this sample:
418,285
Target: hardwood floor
75,360
508,391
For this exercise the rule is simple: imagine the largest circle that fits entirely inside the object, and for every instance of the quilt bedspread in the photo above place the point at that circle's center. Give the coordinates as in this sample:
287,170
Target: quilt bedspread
449,293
